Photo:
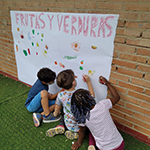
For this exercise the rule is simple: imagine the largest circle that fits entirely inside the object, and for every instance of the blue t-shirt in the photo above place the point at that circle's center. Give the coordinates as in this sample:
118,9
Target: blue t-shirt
36,88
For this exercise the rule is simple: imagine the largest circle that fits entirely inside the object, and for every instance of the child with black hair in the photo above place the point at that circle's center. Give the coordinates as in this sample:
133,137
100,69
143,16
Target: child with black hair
39,101
97,119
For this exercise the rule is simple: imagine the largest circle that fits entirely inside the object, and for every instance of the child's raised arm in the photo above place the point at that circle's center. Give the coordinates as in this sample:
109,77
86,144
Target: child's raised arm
115,96
87,79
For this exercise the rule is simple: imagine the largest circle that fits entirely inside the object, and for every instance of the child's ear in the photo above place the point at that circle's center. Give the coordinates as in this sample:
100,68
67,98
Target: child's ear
74,83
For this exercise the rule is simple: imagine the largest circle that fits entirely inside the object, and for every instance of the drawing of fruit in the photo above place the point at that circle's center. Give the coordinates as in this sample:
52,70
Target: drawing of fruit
22,36
76,45
55,62
61,65
46,46
91,73
94,47
17,48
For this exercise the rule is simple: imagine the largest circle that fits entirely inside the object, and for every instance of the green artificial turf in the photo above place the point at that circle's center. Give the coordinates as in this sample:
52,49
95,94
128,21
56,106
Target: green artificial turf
17,130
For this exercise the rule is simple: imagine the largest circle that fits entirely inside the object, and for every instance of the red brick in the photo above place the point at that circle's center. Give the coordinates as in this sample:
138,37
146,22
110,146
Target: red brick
148,61
124,63
137,25
139,95
47,4
130,72
119,76
141,129
141,82
147,76
144,17
122,121
131,86
117,113
115,54
121,89
145,68
113,81
142,117
65,4
138,109
128,32
129,1
97,11
147,91
129,99
113,68
143,51
121,102
137,7
16,8
85,5
135,58
146,34
119,39
136,134
110,6
124,48
147,1
137,121
144,104
121,23
138,42
123,109
128,15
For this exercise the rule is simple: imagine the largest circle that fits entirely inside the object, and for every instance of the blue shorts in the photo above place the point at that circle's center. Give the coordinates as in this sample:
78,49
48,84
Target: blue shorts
35,104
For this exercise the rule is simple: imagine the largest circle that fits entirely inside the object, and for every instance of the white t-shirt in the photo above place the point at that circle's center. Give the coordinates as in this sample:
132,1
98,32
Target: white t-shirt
102,127
64,99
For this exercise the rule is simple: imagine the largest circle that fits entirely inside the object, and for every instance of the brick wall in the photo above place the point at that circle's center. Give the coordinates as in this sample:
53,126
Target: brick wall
130,72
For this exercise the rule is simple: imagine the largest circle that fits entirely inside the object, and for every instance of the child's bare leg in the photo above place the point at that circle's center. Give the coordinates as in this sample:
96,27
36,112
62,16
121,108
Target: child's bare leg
51,109
44,102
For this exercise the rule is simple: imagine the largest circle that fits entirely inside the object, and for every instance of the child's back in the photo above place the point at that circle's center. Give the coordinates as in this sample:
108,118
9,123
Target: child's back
66,80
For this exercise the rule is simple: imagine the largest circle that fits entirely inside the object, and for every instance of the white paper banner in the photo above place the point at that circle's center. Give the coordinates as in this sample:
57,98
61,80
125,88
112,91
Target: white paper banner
81,42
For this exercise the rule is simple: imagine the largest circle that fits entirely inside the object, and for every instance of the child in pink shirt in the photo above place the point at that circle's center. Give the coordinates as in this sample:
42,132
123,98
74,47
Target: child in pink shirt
96,118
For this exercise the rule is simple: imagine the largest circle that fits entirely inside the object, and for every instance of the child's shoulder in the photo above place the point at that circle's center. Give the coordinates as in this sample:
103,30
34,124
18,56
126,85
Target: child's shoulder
65,93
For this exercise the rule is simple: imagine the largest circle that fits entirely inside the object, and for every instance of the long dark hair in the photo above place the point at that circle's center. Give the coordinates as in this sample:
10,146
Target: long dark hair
81,104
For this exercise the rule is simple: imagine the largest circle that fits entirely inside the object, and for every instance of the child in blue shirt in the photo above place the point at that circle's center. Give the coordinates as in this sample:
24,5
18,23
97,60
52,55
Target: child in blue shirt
39,101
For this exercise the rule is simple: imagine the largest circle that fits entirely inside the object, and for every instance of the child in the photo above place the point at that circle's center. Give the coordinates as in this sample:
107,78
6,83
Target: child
39,100
97,118
66,80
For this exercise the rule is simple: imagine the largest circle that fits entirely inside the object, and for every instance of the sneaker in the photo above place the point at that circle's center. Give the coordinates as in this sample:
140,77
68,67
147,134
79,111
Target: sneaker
71,135
51,118
91,147
37,117
60,129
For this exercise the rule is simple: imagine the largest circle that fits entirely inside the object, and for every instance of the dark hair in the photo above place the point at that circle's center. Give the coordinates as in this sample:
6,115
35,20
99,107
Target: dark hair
81,104
46,75
65,79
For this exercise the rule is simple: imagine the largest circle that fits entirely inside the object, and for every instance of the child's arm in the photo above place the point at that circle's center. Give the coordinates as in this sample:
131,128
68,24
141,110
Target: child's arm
57,110
87,79
53,96
115,96
78,143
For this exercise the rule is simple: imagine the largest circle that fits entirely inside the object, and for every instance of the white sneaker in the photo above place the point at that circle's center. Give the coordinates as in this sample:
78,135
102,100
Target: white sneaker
91,147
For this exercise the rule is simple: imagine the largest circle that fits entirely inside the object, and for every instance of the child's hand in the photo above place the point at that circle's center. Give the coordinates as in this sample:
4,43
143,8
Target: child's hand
86,78
102,80
75,145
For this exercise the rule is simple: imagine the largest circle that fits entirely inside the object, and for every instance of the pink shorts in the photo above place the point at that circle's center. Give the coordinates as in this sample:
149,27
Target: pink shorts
121,147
